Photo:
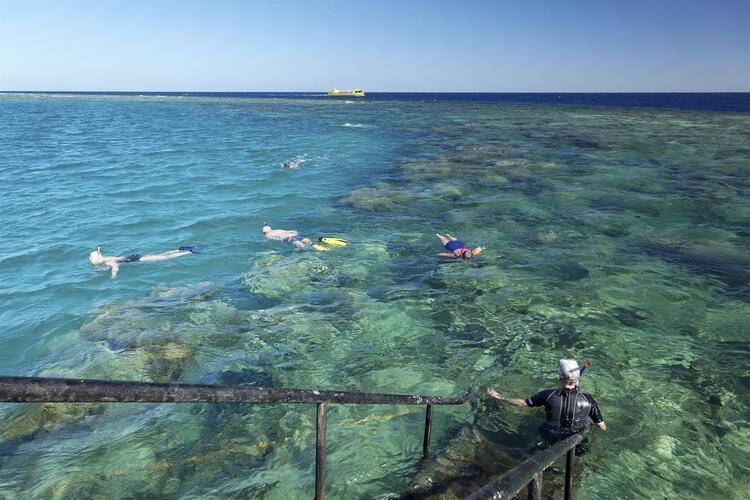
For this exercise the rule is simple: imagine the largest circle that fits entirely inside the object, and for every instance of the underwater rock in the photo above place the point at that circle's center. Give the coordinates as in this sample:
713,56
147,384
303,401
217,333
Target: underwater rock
524,164
31,419
627,316
378,199
609,202
278,275
727,322
730,264
545,237
245,375
450,192
424,171
665,446
585,143
151,343
714,399
570,271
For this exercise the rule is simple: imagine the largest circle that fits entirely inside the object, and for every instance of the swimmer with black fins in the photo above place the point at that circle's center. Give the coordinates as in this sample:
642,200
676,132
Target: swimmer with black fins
113,262
457,249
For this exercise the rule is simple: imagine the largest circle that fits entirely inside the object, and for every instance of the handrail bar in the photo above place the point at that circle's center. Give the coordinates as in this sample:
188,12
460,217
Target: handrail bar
529,472
69,390
66,390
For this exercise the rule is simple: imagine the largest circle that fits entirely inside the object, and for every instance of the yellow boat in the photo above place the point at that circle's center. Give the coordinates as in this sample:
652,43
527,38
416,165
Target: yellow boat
346,93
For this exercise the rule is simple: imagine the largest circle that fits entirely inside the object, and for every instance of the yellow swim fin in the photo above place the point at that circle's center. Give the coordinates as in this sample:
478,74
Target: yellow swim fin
334,241
319,247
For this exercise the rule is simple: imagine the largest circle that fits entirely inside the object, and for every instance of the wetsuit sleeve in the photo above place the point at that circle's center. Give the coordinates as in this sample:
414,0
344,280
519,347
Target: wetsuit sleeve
538,399
595,413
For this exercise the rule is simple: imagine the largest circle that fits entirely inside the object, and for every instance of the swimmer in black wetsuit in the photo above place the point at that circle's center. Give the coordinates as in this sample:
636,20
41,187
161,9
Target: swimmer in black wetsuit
568,410
97,259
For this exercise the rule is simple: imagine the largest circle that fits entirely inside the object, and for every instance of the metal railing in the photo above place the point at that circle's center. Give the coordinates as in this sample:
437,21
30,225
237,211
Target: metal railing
530,471
62,390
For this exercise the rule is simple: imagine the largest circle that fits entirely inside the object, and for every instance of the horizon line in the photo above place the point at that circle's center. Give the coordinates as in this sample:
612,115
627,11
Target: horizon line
394,91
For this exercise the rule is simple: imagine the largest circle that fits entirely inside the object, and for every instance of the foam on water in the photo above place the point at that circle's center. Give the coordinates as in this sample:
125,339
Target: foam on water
617,235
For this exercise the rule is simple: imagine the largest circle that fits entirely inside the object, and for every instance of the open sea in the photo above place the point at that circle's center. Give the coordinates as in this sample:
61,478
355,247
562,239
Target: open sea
617,229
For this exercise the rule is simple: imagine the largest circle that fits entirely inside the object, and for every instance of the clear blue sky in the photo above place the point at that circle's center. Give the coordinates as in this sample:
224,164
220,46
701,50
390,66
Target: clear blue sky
519,45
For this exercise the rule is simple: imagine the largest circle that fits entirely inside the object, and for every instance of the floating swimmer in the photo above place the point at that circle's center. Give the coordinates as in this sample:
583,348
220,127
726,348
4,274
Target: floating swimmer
286,236
295,163
113,262
457,249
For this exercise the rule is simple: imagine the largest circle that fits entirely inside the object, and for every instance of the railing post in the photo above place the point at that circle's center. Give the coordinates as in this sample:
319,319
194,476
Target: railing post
427,432
320,453
535,487
569,474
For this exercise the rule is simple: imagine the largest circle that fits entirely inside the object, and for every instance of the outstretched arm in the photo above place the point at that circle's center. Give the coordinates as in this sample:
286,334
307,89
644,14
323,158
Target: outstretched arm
515,402
446,254
478,250
115,267
596,414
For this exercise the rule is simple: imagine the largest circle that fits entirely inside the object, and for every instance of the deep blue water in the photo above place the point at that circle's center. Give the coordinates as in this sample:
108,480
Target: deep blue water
706,101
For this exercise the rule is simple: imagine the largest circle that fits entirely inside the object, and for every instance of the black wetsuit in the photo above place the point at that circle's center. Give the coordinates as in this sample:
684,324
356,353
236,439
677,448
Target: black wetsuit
130,258
568,411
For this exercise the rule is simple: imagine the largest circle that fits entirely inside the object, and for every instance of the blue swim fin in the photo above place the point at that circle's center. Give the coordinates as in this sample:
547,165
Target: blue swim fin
192,248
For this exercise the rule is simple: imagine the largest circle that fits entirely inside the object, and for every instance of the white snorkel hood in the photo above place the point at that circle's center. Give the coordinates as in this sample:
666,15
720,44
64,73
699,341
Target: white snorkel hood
569,371
95,257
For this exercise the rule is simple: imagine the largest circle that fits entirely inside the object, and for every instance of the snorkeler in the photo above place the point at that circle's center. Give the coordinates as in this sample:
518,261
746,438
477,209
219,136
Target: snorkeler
285,236
567,409
113,263
295,163
457,249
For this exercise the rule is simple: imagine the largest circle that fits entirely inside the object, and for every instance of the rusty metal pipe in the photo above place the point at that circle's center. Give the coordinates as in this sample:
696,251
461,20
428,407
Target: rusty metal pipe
320,452
62,390
427,432
569,474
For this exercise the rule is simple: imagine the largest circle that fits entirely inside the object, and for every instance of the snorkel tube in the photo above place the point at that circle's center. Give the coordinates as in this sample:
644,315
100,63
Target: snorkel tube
584,366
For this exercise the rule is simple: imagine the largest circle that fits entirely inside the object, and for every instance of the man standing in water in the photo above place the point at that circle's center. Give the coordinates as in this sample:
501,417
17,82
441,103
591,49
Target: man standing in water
567,409
286,236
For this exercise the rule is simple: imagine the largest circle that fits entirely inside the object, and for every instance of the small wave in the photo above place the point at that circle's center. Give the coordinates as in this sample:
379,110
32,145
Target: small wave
353,125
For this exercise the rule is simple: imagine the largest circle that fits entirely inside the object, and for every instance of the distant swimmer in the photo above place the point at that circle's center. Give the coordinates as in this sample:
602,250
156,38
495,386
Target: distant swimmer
457,249
568,410
286,236
97,259
295,163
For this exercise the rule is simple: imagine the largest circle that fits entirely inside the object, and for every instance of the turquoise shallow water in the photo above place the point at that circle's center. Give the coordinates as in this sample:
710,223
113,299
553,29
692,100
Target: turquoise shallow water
614,234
